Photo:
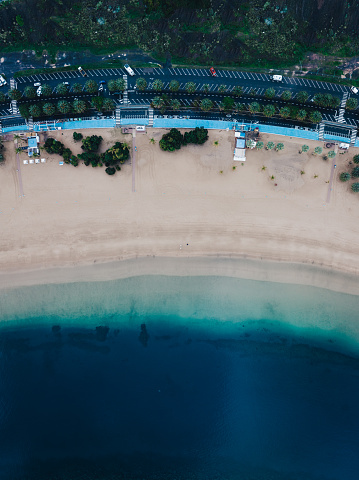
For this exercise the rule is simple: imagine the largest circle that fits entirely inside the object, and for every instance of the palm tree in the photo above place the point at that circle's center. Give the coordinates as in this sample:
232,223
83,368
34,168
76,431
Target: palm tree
331,154
112,85
345,176
318,150
356,159
302,172
270,146
153,141
284,112
355,187
108,105
49,109
269,93
206,105
351,104
14,94
61,89
79,106
141,83
238,91
301,115
264,167
175,104
222,89
269,110
216,143
259,145
91,86
120,84
174,85
254,107
286,95
63,106
272,177
279,146
205,88
34,110
18,150
355,172
302,96
76,88
253,92
46,90
305,148
157,102
157,85
30,92
315,117
190,87
239,107
2,97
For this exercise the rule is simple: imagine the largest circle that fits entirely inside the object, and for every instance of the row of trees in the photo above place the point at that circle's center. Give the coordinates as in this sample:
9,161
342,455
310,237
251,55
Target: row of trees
174,139
346,176
64,107
229,105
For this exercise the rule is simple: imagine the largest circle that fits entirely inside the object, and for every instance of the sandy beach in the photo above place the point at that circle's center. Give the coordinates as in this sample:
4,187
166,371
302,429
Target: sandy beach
188,203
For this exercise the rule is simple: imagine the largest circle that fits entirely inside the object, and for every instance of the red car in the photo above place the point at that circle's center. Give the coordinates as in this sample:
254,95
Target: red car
213,72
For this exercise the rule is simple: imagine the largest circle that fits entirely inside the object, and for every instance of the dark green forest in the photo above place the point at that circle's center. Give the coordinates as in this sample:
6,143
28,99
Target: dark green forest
232,32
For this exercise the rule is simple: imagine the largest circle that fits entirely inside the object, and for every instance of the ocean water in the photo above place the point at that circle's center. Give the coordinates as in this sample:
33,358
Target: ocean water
159,377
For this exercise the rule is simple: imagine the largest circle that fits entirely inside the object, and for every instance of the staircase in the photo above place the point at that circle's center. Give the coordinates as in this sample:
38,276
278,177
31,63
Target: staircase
150,117
342,108
321,131
118,117
125,94
13,107
0,128
30,123
13,83
353,137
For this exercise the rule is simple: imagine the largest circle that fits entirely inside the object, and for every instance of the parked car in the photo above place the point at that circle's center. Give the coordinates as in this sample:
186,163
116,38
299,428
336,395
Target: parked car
37,84
2,81
38,91
128,69
66,83
354,89
276,78
213,72
100,88
82,71
102,82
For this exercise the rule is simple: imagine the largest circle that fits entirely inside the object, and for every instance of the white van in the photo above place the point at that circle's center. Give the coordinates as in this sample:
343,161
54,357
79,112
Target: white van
276,78
129,69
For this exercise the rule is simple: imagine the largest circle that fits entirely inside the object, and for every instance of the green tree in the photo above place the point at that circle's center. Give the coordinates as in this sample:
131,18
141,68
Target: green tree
14,94
222,89
190,87
97,102
108,105
318,150
171,141
355,187
91,86
92,143
253,92
301,115
352,103
356,159
34,110
175,104
205,88
198,136
63,106
77,136
315,116
174,85
284,112
279,146
286,95
110,171
117,85
62,89
49,109
331,154
118,153
157,85
270,146
269,93
141,83
79,106
24,111
302,96
345,176
355,172
29,92
259,145
46,90
305,148
269,110
206,105
254,107
76,88
238,91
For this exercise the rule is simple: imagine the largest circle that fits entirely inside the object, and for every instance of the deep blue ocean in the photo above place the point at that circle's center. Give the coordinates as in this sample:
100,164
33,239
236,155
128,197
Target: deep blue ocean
136,396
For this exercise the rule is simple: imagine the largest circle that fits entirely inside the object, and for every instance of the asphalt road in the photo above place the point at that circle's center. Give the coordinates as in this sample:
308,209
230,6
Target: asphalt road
201,77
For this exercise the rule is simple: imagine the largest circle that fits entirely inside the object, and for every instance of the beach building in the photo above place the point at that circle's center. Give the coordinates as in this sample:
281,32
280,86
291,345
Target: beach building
32,146
240,147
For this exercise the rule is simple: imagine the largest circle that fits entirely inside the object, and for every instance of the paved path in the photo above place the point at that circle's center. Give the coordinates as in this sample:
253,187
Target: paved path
133,159
19,175
334,162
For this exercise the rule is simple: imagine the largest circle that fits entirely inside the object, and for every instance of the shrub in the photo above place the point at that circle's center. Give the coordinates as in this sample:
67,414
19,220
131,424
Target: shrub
91,144
66,155
110,171
355,172
77,136
356,159
118,153
355,187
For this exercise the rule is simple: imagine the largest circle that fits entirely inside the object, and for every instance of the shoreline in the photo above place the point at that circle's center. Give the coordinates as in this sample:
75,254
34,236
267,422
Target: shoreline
242,267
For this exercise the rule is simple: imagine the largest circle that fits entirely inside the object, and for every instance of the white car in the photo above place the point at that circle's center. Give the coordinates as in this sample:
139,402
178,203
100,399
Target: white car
354,89
2,81
37,84
38,91
276,78
128,69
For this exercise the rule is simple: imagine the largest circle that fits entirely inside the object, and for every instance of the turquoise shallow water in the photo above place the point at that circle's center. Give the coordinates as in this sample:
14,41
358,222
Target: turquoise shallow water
184,377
